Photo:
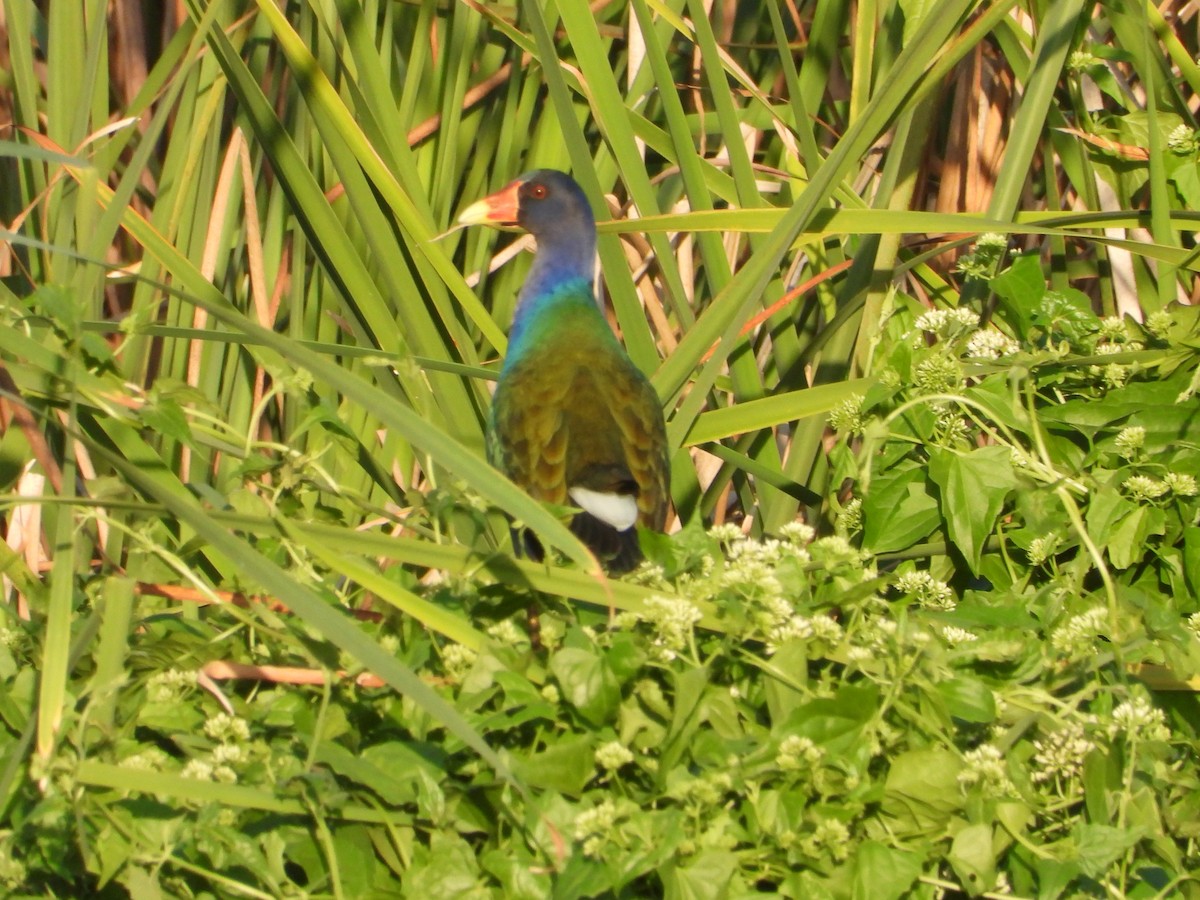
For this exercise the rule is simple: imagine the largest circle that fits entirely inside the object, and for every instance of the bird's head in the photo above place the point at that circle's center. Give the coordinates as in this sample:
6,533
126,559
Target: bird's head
545,202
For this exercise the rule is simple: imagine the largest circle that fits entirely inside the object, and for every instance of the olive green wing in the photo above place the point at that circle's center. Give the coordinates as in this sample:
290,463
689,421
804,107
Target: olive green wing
528,440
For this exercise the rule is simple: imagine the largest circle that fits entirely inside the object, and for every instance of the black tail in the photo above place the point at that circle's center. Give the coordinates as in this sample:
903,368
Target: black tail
618,551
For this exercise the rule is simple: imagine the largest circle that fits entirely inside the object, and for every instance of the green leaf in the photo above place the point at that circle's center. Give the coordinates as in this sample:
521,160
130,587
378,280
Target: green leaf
388,784
1107,508
783,688
1128,541
880,872
974,859
898,510
357,862
565,766
771,411
705,879
167,417
921,792
1020,289
1065,315
1099,846
1151,404
587,682
968,699
835,722
1191,557
170,717
518,877
973,488
1186,179
449,871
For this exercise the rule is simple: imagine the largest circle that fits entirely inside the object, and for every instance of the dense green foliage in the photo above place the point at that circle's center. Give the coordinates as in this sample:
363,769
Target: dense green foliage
952,642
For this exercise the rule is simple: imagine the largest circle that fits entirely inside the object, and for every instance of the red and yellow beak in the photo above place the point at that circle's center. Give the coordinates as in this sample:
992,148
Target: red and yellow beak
500,208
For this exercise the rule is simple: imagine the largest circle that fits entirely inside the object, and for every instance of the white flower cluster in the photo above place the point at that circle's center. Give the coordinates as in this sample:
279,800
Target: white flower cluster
981,262
1159,324
1082,59
205,770
954,636
1138,720
837,550
796,752
706,791
750,569
149,759
797,533
769,551
874,641
674,620
613,755
1113,330
1183,140
937,374
552,630
390,644
947,324
1143,487
926,590
796,627
507,632
985,766
831,835
1060,756
200,770
950,428
458,661
850,517
1078,635
169,686
847,416
1181,484
1041,548
231,733
726,533
1129,441
987,343
1193,622
593,827
227,729
1114,375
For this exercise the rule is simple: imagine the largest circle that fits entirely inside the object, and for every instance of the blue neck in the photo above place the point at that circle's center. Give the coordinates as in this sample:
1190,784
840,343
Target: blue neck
534,311
565,254
562,274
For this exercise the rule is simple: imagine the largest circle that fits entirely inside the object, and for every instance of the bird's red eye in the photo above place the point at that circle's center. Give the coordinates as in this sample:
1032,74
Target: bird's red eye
538,191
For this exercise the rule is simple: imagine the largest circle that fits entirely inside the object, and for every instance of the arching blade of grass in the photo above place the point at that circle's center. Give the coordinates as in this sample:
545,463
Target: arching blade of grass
408,603
769,412
56,641
171,786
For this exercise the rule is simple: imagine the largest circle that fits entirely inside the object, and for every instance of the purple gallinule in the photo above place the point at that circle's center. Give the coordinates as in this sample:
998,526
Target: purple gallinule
574,421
